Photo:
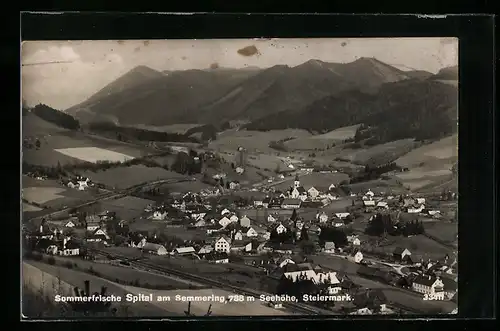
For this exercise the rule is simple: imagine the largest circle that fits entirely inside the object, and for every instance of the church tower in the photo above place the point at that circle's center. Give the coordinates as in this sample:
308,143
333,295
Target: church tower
297,181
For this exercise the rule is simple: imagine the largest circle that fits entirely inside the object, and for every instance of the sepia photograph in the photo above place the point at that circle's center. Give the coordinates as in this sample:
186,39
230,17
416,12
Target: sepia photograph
239,177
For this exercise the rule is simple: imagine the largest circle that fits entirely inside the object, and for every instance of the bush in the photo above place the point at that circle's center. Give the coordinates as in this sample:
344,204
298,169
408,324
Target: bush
51,260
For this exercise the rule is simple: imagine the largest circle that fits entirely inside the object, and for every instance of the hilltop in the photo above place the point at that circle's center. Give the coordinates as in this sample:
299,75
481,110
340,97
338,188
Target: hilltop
448,73
216,95
405,109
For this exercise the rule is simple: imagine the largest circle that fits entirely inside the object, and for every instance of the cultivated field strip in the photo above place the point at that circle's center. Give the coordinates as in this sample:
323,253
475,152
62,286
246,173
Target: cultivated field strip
293,306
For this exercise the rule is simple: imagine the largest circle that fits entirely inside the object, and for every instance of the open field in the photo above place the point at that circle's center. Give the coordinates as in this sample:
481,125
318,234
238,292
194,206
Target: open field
28,208
128,207
444,231
33,125
48,155
379,186
124,274
184,187
48,276
94,154
124,177
316,179
440,154
253,141
42,195
418,245
322,141
385,152
173,128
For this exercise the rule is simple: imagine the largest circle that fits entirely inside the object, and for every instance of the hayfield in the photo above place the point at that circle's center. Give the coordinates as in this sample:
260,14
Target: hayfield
94,154
382,153
124,177
322,141
379,186
42,195
30,208
442,230
418,245
253,141
57,148
184,187
32,125
443,152
127,207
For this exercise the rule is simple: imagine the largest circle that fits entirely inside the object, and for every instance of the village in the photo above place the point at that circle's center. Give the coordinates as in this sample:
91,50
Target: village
286,242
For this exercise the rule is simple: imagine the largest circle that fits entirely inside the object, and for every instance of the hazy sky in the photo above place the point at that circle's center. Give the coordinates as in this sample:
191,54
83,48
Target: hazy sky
93,64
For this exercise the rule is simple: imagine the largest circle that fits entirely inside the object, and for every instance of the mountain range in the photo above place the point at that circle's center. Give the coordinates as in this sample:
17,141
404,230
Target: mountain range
316,95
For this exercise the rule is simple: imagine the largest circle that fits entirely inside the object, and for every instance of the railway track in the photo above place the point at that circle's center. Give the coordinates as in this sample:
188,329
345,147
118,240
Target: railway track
301,308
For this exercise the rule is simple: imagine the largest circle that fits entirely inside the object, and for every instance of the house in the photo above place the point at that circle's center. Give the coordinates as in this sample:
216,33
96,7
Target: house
342,215
223,244
271,218
224,221
266,202
338,224
251,232
198,216
225,211
159,215
239,170
216,257
280,228
284,260
354,240
234,218
322,218
234,185
400,254
356,256
200,223
427,284
154,249
382,205
258,203
291,203
101,232
329,247
241,246
92,226
449,287
205,250
329,278
370,194
313,192
67,248
69,224
415,210
245,221
238,235
332,187
421,201
184,250
212,228
369,203
362,311
434,213
299,224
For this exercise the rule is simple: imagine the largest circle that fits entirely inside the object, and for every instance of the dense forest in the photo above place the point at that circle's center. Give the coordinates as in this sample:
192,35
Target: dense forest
383,223
128,133
56,117
406,109
208,132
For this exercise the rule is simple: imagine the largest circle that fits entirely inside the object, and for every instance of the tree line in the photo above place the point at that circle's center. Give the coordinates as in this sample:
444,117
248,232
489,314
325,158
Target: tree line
56,117
383,223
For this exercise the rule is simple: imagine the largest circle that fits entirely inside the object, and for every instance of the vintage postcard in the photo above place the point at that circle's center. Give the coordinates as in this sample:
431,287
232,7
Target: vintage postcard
239,177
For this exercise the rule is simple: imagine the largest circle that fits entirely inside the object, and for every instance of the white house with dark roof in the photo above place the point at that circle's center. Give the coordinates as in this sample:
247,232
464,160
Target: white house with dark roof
291,204
159,215
313,192
280,228
154,249
322,217
69,224
224,221
234,218
355,256
251,232
427,284
184,250
271,218
342,215
223,244
225,211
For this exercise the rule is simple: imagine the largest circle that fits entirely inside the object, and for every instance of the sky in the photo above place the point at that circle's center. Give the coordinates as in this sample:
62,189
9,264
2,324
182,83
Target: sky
78,69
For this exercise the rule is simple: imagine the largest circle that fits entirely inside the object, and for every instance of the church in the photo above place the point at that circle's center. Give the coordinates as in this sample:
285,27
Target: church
297,191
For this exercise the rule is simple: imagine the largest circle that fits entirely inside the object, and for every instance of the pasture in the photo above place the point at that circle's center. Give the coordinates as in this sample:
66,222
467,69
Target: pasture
382,153
444,231
125,177
437,155
378,186
42,195
184,187
30,208
127,207
253,141
94,154
322,141
418,245
66,148
32,125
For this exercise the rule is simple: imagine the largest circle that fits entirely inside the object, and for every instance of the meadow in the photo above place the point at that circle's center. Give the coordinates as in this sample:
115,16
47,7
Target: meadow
444,231
125,177
94,154
384,152
322,141
253,141
437,155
